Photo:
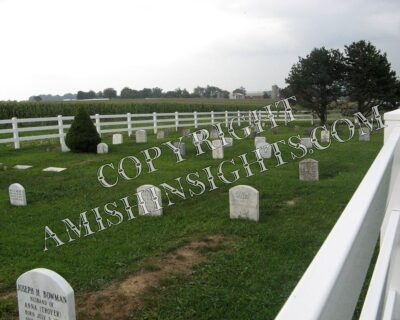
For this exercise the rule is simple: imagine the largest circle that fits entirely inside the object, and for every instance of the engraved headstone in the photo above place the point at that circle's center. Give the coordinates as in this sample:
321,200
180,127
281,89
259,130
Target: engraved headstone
117,138
181,147
258,140
218,152
141,136
160,134
365,136
265,149
308,170
244,203
150,200
17,195
102,148
213,133
44,294
306,142
325,136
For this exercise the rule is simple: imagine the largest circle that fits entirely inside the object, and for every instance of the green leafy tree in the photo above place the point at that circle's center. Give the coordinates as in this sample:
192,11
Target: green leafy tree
82,135
369,78
241,90
109,93
317,80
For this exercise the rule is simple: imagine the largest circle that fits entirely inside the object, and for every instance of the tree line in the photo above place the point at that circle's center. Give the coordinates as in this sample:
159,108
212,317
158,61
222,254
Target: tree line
362,74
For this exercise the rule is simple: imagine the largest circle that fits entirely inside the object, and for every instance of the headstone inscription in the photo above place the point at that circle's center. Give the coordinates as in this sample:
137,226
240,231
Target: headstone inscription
244,203
150,200
17,195
308,170
265,149
44,294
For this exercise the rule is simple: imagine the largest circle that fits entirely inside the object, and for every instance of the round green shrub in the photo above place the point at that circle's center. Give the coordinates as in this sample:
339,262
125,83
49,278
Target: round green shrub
82,136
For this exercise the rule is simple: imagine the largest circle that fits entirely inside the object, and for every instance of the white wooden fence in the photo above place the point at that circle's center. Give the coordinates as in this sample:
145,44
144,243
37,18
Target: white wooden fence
19,131
330,287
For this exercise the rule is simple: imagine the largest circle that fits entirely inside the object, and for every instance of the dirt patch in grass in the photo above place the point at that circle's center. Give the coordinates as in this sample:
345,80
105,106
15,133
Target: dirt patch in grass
293,201
121,300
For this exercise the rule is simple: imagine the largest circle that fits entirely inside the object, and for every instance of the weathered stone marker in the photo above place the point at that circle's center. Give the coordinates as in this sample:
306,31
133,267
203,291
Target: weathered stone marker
17,195
258,140
325,136
306,142
150,200
141,136
102,148
218,152
44,294
265,149
181,147
229,141
365,136
160,134
213,133
244,203
117,138
308,170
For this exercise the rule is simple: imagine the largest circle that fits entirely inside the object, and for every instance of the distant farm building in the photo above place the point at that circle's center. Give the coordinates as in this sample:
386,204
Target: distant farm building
236,96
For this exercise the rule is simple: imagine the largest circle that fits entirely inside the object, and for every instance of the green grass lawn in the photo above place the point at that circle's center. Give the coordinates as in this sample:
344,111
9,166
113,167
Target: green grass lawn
249,278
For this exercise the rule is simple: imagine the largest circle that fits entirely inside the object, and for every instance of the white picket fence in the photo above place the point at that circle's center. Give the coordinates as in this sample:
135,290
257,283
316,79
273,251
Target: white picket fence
331,286
127,123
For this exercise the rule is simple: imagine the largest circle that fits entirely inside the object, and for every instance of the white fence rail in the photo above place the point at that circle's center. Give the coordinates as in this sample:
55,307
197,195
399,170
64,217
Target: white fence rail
330,287
125,123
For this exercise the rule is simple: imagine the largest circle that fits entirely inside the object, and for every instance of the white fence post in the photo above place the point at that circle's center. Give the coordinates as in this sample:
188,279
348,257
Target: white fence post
15,132
129,121
61,129
155,122
98,123
212,117
226,118
249,117
176,120
195,119
238,118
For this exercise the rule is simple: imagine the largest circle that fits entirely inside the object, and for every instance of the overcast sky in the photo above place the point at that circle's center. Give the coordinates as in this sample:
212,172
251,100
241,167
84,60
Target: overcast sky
60,46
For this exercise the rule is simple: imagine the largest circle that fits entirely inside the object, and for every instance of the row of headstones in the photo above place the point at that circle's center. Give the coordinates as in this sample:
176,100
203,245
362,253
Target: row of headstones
308,171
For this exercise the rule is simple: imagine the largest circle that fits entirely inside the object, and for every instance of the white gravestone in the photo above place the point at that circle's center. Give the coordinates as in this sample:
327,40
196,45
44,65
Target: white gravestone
218,152
244,203
325,136
102,148
229,141
54,169
141,136
365,136
44,294
306,142
117,138
150,201
64,148
22,167
181,147
213,133
308,170
17,194
258,140
265,149
160,134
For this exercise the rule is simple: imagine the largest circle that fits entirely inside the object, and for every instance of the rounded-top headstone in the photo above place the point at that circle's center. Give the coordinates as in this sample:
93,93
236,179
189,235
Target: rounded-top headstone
244,202
150,201
102,148
17,195
44,294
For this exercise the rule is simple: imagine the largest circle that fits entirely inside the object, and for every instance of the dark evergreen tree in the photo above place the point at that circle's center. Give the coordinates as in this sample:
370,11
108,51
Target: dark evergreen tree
82,136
